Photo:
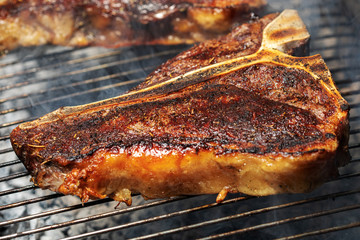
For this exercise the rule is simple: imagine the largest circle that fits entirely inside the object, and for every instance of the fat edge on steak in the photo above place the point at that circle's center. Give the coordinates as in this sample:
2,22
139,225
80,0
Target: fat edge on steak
236,114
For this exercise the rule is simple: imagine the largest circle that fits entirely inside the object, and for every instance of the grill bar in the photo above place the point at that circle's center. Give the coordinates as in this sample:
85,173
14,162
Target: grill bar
16,190
55,211
6,150
11,124
14,176
350,175
29,201
323,231
7,164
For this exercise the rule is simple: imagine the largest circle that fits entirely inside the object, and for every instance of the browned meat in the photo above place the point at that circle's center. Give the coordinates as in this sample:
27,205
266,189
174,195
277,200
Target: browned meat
236,114
117,22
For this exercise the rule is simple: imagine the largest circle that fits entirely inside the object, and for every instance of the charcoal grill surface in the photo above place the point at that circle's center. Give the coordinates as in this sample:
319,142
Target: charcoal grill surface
35,81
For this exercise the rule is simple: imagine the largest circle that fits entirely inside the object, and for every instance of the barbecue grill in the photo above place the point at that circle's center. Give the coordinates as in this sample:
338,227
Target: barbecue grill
35,81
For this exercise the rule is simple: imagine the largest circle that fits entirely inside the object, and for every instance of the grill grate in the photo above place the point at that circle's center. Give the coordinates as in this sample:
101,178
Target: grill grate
35,81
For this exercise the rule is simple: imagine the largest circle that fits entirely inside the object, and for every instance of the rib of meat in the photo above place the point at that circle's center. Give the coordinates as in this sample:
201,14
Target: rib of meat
236,114
117,22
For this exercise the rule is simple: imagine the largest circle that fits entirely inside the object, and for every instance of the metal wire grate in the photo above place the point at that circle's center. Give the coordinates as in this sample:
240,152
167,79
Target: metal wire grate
35,81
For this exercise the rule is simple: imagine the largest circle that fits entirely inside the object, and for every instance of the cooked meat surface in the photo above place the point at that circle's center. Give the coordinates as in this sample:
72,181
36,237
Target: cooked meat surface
238,114
117,22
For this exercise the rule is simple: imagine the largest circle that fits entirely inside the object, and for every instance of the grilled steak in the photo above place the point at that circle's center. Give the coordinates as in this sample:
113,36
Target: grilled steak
117,22
237,114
